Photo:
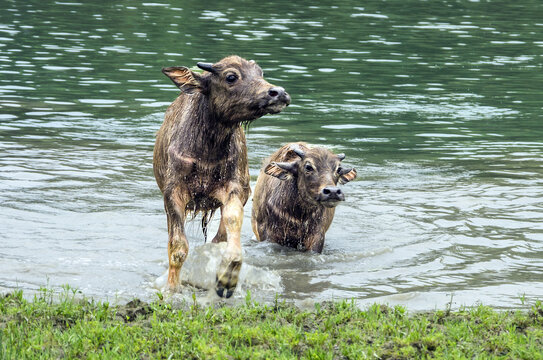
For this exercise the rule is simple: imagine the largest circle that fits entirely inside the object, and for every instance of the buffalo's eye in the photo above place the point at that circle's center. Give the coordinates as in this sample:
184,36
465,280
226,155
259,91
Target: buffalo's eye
308,168
231,78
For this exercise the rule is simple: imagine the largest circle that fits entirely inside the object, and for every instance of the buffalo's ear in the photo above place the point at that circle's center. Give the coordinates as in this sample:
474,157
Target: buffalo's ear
346,175
185,79
281,170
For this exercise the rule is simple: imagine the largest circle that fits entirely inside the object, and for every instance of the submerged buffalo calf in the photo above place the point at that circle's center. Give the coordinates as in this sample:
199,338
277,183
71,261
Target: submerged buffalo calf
296,194
200,155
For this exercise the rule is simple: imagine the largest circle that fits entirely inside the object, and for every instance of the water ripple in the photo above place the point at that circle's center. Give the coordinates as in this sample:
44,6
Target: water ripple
446,141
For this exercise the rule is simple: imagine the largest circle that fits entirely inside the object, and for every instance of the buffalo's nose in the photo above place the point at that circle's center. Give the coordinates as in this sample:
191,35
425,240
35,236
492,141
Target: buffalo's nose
332,193
279,93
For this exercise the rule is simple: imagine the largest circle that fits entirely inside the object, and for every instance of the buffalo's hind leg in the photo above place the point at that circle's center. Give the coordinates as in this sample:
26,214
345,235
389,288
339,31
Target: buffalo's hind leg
228,273
178,246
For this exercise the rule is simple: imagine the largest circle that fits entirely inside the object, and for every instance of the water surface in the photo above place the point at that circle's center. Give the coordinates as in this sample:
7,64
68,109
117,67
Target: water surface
437,104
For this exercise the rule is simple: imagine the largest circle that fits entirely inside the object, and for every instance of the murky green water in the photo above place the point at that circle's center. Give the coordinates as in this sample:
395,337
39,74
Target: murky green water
438,104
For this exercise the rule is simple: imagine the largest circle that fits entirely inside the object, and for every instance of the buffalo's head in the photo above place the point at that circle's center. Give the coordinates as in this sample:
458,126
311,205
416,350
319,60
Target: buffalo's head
317,172
235,88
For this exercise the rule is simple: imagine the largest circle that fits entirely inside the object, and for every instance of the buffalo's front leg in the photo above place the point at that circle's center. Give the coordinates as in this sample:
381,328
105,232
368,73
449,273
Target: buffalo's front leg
221,233
228,273
178,246
315,242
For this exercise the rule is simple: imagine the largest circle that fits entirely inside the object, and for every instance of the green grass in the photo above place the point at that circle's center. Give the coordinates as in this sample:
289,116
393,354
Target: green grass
68,326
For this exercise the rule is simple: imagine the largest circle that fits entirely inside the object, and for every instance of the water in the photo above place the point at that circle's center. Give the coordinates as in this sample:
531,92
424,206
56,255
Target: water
437,104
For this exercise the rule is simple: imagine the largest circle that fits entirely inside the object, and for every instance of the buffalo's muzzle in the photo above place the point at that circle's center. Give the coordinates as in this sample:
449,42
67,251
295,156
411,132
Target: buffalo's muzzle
279,94
330,196
277,99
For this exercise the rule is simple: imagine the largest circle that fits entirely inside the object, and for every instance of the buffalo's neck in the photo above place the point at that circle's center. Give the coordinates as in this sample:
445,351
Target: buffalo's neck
204,135
295,221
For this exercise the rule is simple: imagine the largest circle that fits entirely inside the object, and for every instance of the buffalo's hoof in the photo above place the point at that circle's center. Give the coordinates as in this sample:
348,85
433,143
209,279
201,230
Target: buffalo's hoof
222,292
227,280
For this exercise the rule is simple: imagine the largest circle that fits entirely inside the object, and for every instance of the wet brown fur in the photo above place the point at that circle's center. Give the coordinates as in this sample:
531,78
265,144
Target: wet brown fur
200,156
285,209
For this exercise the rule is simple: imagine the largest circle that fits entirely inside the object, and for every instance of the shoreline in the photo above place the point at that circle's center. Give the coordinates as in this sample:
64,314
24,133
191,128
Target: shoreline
68,325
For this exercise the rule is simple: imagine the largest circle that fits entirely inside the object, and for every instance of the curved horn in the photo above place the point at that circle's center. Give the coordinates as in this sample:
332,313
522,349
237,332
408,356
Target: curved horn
288,166
298,151
206,67
341,156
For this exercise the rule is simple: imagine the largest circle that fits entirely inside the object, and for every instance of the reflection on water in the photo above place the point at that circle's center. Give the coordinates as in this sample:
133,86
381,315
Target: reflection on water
437,105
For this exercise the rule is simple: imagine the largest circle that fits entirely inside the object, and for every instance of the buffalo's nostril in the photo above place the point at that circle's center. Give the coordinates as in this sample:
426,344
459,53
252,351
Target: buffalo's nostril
330,196
331,191
276,91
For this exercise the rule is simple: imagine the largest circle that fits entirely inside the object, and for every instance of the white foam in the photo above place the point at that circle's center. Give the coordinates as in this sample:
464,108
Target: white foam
200,268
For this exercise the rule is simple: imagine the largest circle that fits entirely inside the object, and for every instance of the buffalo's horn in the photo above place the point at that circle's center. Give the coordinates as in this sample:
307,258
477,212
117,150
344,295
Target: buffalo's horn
341,156
206,67
298,151
288,166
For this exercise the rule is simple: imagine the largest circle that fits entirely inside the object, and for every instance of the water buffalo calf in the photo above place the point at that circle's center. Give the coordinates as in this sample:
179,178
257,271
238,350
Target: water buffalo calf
296,194
200,155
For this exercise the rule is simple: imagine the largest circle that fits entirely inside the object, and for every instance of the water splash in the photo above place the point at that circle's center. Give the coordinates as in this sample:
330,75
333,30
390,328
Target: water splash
199,271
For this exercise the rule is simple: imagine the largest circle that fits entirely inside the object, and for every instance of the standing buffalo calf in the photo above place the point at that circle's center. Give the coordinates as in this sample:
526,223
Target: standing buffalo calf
295,205
200,155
